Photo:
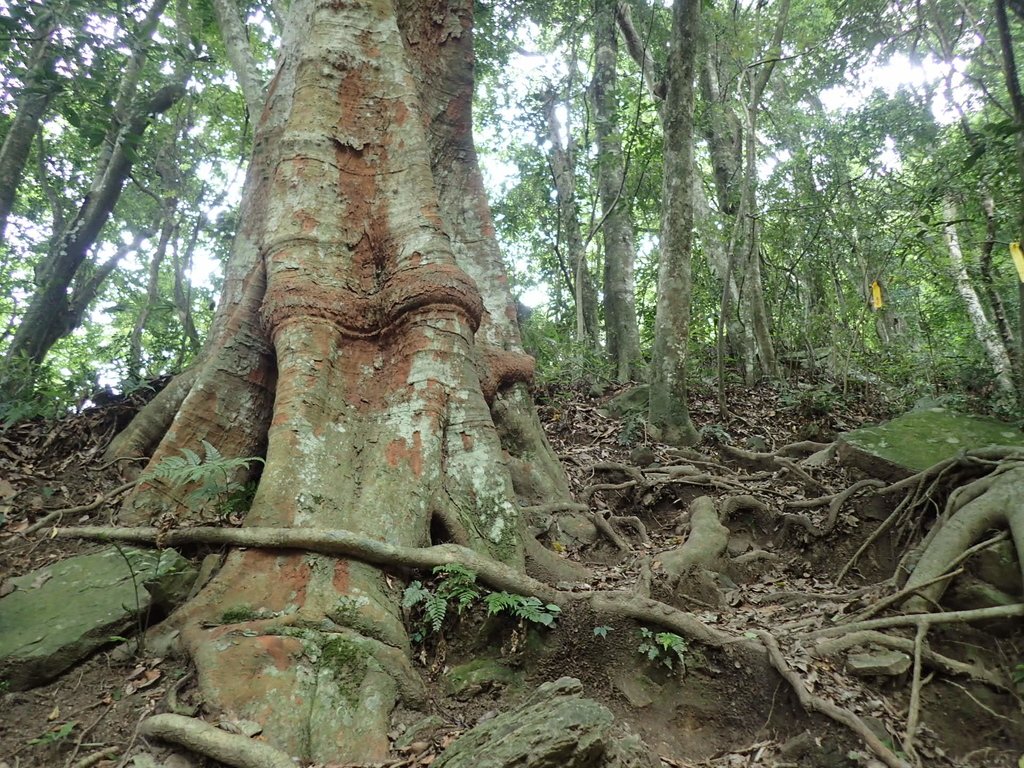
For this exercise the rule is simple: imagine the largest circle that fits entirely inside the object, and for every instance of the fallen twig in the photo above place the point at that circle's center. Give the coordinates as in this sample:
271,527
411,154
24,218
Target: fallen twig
57,514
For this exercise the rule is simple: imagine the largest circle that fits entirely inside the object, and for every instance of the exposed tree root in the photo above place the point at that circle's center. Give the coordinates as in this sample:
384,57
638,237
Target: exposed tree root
205,739
703,547
914,710
814,703
951,617
967,517
923,487
494,574
611,605
768,460
832,646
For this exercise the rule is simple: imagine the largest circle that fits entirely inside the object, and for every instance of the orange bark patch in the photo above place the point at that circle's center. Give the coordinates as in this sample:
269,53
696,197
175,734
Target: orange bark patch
341,577
306,221
399,451
285,578
276,647
499,368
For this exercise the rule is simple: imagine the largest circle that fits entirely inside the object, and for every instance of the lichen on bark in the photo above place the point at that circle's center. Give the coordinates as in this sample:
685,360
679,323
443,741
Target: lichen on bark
366,344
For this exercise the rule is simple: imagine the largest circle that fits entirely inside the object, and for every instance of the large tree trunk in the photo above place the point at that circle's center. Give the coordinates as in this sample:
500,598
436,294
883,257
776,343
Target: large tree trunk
353,342
621,332
668,411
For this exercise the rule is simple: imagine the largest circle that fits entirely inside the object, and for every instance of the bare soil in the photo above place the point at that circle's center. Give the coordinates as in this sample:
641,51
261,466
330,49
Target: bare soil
716,708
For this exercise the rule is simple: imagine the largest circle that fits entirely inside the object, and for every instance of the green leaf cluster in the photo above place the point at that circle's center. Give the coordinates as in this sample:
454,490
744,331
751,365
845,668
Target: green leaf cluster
456,589
213,475
666,648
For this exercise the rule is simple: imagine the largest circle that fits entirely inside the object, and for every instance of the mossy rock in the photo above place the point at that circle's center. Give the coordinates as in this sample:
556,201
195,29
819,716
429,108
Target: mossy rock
59,614
920,439
632,402
477,675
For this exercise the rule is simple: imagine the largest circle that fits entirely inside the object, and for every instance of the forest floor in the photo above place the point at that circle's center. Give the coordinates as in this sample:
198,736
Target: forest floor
711,708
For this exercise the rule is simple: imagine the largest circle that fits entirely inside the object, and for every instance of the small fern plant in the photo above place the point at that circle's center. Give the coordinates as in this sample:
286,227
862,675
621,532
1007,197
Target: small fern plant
531,609
667,648
213,474
457,587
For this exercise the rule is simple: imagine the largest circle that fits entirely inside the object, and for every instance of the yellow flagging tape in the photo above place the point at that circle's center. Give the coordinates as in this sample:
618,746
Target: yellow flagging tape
876,295
1018,259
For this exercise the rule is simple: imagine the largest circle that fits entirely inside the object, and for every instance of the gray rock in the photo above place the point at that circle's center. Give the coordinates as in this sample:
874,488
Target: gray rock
886,663
554,728
639,690
60,614
477,675
631,402
577,528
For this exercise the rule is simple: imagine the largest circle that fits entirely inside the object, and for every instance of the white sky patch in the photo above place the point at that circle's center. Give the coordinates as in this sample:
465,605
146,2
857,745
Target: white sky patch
897,72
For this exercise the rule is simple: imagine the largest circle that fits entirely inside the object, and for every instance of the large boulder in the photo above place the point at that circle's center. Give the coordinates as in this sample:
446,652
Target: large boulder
59,614
555,728
920,439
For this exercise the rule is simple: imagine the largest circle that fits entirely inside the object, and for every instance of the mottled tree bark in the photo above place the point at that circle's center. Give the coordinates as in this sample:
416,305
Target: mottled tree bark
366,338
621,332
668,411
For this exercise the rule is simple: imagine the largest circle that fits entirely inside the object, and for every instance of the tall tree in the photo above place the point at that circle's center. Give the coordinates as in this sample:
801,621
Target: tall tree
67,281
40,84
366,342
668,411
621,332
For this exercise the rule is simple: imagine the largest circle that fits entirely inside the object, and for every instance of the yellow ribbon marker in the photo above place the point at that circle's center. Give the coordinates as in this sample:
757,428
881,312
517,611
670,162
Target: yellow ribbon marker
876,294
1018,259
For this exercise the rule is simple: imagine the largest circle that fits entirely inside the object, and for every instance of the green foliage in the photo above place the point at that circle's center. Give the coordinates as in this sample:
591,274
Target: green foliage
666,648
530,609
29,391
602,631
56,734
1018,674
213,475
457,589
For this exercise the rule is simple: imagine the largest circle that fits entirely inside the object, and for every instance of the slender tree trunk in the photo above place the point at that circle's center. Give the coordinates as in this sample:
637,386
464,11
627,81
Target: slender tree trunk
243,63
622,334
668,411
995,301
1017,102
983,328
40,86
167,230
52,313
570,229
353,341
